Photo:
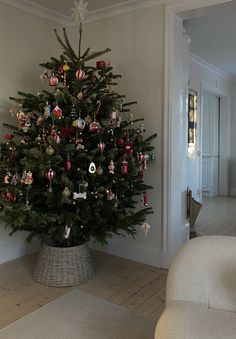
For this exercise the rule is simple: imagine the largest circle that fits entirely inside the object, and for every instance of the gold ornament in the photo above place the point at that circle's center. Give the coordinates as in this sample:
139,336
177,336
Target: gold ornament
66,192
50,150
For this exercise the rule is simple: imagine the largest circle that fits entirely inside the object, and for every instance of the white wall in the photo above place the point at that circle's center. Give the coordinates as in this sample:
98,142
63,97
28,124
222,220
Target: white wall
136,40
233,142
25,40
205,76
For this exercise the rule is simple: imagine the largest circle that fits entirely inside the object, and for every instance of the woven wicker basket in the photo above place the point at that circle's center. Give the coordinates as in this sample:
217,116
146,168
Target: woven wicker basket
57,266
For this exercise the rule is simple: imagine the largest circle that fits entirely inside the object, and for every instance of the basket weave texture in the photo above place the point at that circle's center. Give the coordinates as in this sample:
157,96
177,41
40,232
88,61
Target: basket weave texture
58,266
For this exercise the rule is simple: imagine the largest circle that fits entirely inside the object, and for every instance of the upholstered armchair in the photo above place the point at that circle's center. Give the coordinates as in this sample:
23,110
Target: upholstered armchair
201,291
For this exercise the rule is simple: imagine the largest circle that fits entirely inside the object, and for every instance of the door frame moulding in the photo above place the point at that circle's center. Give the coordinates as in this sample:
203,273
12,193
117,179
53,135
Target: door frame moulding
170,11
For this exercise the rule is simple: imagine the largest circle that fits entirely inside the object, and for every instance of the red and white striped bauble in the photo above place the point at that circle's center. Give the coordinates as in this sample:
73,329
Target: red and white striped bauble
80,74
53,81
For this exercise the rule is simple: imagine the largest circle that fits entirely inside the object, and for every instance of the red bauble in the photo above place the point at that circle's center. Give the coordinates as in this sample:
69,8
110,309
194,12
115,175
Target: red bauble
124,167
120,141
68,165
94,127
9,136
57,112
102,63
80,74
128,147
53,81
145,199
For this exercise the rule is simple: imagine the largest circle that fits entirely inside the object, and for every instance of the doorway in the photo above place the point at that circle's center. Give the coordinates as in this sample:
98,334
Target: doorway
173,221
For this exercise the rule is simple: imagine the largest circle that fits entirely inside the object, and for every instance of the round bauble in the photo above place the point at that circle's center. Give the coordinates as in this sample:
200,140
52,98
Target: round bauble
66,192
50,150
53,81
57,112
94,127
80,74
66,67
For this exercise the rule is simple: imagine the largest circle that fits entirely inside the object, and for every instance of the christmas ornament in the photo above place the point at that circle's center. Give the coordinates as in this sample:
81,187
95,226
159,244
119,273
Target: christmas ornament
110,195
80,95
68,164
12,154
140,157
111,167
66,67
145,199
88,119
66,192
128,147
66,132
79,146
80,74
43,135
47,110
145,161
79,10
73,113
79,195
66,232
83,185
6,178
50,176
140,173
15,179
101,146
92,168
79,123
145,227
40,122
50,150
102,63
57,112
152,158
99,170
55,136
94,127
9,136
10,197
140,129
120,141
44,76
24,176
124,167
22,117
28,178
53,81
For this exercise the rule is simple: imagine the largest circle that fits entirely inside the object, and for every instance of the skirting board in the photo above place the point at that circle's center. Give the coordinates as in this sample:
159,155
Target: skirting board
148,256
16,250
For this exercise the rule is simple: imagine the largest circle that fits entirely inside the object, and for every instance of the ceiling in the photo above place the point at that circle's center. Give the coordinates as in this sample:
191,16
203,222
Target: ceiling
213,35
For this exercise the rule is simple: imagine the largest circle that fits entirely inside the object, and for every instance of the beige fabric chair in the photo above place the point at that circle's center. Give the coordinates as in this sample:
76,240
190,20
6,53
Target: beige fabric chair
201,291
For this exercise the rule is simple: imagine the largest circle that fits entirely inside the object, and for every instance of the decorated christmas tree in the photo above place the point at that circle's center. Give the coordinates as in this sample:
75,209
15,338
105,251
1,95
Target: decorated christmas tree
73,168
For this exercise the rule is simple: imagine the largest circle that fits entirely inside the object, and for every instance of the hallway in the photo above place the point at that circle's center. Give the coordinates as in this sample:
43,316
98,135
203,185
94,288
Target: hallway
217,216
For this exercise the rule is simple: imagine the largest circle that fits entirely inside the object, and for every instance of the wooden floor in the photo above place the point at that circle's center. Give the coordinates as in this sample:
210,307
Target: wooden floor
217,217
138,287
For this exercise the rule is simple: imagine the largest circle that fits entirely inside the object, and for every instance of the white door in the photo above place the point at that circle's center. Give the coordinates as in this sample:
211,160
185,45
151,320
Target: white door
210,144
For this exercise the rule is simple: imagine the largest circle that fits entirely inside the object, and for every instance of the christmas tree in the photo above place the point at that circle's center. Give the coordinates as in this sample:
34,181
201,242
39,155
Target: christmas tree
73,167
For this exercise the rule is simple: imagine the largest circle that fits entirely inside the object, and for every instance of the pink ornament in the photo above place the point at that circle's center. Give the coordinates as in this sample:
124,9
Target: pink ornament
102,63
10,197
94,127
124,167
80,74
111,167
140,157
57,112
101,146
53,81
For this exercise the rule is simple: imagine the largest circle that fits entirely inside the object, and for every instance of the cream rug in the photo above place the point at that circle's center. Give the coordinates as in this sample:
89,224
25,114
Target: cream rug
78,315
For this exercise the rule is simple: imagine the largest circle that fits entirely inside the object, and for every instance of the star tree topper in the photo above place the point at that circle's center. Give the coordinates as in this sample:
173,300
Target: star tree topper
79,11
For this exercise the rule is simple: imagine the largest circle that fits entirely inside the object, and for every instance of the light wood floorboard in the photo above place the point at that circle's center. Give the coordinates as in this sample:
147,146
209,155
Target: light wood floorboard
217,217
138,287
